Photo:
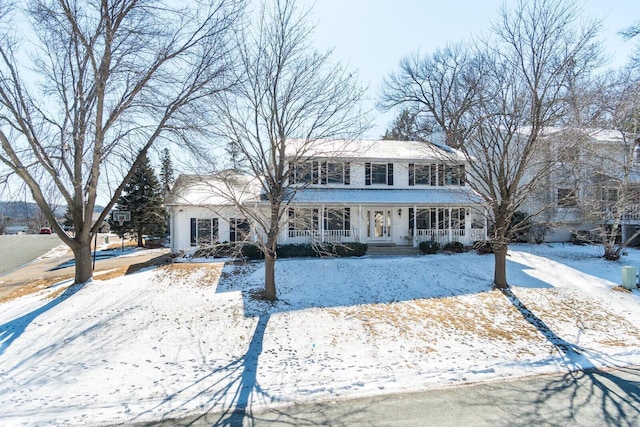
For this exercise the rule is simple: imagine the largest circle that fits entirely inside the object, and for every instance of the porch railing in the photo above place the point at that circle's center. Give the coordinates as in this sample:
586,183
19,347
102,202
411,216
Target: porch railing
302,237
442,237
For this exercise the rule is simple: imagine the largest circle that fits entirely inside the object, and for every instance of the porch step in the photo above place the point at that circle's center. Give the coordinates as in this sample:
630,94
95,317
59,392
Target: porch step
390,249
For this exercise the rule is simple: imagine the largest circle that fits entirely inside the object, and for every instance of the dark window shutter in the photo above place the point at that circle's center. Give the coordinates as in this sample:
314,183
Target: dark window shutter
347,173
292,175
316,214
325,219
347,219
440,175
232,229
367,174
214,230
315,172
412,171
390,174
323,173
193,232
292,223
462,175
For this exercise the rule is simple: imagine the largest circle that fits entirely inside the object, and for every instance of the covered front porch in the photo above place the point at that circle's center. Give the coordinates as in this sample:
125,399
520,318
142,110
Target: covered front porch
393,224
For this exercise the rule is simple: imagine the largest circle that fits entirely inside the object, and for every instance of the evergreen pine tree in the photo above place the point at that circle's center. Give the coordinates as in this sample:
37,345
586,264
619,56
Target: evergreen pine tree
144,199
166,171
405,127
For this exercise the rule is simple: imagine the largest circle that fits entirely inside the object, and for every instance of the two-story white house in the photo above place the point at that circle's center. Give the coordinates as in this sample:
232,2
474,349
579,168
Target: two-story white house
375,192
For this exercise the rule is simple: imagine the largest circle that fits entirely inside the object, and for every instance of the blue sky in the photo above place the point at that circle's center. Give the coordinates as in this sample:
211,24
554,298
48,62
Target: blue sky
372,36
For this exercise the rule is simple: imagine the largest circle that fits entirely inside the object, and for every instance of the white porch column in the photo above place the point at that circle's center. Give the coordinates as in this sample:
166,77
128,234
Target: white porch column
415,223
360,226
467,225
450,231
321,223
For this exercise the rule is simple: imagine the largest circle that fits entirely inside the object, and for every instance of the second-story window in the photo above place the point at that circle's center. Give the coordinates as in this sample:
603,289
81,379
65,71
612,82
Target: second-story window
336,173
318,172
425,174
432,174
304,173
378,173
567,198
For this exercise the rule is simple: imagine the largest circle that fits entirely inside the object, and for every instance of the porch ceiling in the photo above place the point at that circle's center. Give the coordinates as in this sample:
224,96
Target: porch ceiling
463,196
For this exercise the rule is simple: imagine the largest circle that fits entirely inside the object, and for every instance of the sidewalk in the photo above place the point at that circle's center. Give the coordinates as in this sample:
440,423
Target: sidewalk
49,268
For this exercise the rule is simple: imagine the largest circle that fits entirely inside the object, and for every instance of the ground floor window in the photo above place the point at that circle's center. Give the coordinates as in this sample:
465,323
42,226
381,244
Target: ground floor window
437,218
204,231
238,229
302,219
337,219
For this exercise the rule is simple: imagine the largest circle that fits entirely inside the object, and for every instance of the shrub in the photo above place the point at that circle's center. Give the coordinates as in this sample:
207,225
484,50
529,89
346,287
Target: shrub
348,249
295,251
324,249
251,251
430,247
483,247
219,250
455,247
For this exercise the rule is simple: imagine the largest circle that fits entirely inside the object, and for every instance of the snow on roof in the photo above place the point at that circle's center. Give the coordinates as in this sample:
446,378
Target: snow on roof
597,134
431,196
372,150
224,188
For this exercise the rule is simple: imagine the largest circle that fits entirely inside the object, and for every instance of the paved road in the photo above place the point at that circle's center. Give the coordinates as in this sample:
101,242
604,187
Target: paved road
592,398
21,273
17,250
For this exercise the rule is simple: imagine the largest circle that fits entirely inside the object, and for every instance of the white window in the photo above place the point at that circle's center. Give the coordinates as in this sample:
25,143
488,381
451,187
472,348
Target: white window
204,231
302,219
337,219
239,229
378,173
567,198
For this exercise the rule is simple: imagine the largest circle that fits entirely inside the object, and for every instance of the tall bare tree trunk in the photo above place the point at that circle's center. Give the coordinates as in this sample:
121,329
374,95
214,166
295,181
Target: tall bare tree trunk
82,254
270,254
270,275
500,271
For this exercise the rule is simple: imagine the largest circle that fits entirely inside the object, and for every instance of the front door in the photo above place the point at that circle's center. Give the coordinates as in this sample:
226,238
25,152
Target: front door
380,224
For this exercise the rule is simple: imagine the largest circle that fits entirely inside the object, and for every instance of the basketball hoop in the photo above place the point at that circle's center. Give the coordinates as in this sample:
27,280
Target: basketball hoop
121,217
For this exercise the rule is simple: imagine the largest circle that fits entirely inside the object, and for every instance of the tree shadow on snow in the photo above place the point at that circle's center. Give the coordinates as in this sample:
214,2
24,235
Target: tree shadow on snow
236,383
340,282
13,329
617,398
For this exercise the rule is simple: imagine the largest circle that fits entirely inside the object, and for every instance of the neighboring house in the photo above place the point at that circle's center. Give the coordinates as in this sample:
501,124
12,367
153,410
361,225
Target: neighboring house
595,185
385,192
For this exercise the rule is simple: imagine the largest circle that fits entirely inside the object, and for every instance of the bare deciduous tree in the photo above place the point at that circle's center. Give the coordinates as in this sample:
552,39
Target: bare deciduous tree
608,170
437,89
507,91
290,97
105,81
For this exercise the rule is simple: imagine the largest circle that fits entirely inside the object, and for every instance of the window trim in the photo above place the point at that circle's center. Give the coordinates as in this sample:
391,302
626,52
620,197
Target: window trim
368,171
213,234
568,200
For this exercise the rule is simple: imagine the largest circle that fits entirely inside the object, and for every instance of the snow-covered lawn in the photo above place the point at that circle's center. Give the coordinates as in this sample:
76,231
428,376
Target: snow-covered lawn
189,338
